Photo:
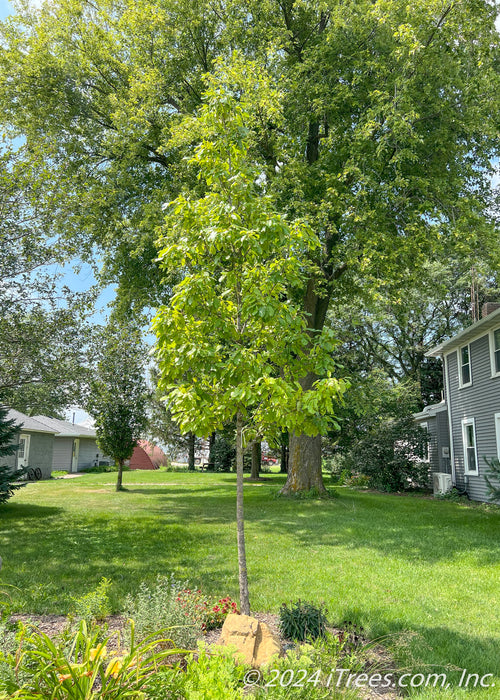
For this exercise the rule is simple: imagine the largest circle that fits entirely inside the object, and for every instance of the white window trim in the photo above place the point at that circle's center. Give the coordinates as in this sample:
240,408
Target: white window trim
497,433
466,422
494,373
459,361
427,457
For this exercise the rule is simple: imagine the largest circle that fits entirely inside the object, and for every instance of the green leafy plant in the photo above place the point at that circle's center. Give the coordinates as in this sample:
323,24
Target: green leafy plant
209,612
158,606
93,606
303,620
60,673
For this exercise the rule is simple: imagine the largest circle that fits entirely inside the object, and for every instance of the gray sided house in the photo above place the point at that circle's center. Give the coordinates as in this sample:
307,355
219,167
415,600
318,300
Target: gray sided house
466,427
75,446
35,444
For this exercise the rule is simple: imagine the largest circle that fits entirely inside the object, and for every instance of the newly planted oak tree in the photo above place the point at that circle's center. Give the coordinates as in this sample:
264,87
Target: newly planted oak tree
233,343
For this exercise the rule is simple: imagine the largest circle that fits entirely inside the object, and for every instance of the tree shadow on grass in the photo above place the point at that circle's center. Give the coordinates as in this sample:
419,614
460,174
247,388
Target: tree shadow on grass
22,511
432,649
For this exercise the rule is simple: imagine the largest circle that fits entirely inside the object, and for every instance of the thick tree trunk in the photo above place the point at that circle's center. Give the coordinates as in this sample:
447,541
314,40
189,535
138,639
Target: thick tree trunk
284,454
240,521
304,465
191,443
304,469
256,459
119,478
211,445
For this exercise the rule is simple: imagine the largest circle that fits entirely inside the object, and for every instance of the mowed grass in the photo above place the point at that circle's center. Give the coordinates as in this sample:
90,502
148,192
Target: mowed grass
393,564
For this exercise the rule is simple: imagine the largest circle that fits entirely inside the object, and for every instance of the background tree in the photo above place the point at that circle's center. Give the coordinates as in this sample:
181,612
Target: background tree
231,322
43,332
8,446
163,428
117,393
390,113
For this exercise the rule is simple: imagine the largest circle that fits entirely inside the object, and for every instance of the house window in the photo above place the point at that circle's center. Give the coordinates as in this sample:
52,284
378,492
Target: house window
470,449
465,371
495,351
427,448
497,432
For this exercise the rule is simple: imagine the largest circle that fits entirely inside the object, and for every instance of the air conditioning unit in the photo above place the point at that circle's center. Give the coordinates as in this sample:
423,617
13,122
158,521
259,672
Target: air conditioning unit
441,482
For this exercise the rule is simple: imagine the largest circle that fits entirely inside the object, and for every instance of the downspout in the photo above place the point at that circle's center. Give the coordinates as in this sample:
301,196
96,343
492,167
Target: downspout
450,424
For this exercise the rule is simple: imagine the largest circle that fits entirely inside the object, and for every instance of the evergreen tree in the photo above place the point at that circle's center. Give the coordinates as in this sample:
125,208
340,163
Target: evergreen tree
8,446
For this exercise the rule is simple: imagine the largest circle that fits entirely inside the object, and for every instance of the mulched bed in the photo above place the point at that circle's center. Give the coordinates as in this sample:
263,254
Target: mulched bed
378,658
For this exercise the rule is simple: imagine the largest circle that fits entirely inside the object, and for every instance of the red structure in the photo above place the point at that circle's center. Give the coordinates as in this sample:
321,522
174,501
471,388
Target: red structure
147,456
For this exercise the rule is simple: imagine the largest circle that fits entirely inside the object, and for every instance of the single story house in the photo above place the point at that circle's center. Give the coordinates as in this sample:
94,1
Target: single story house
75,446
465,428
35,445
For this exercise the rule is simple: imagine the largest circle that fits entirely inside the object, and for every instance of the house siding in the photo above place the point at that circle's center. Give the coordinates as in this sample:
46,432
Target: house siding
63,450
88,452
41,451
480,401
437,425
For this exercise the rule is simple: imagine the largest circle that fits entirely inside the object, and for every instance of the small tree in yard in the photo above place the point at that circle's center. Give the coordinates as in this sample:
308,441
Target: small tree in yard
118,394
8,477
233,344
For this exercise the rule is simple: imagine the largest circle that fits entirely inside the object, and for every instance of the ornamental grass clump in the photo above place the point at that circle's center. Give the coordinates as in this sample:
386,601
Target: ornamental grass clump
303,620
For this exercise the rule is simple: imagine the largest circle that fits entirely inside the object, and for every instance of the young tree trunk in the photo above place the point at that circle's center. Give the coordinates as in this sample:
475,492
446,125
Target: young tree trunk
191,444
256,459
119,479
240,522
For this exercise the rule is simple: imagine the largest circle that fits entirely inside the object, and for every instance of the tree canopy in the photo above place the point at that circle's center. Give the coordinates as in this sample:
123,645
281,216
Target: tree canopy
389,126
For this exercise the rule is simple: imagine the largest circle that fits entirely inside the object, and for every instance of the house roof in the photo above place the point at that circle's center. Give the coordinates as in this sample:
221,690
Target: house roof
430,411
32,425
477,329
63,428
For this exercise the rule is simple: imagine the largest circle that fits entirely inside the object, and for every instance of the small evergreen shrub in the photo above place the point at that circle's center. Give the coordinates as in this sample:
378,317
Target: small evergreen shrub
492,478
9,477
303,620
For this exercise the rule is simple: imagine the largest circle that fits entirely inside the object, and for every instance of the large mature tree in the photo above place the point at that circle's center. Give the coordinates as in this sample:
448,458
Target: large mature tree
232,343
117,393
390,123
42,328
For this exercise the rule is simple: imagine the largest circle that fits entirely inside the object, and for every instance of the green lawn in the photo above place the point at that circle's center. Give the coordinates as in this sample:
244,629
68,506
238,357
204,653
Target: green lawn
391,563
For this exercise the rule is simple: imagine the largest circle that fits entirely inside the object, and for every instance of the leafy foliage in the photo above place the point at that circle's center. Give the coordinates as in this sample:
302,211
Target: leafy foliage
209,612
393,455
60,673
159,606
302,620
43,331
93,606
117,396
231,322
